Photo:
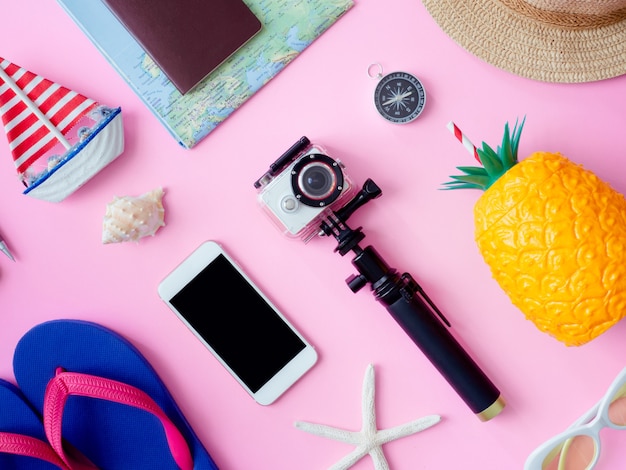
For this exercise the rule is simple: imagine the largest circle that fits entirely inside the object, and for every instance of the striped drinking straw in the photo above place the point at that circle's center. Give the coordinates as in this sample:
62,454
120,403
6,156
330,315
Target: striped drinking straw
452,127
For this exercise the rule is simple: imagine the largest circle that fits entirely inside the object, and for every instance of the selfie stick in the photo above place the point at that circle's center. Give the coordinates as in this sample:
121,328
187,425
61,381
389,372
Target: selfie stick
409,305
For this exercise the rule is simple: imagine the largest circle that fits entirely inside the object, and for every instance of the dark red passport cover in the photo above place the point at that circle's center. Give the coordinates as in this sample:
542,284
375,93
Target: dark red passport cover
187,39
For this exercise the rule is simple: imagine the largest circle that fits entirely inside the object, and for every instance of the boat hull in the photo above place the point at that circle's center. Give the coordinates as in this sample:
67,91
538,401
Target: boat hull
82,162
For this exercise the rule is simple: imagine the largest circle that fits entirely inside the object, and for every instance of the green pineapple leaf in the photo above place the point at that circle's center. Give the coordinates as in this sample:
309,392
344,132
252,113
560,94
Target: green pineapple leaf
459,185
508,159
490,160
517,133
478,180
472,170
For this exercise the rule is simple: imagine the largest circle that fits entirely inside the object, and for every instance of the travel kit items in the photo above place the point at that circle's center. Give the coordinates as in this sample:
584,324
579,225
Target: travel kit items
249,336
546,40
399,97
86,398
288,29
553,234
23,443
190,39
130,218
369,440
306,193
59,139
102,403
5,249
578,447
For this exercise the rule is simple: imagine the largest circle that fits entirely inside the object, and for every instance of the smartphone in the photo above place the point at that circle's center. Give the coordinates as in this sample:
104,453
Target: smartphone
243,329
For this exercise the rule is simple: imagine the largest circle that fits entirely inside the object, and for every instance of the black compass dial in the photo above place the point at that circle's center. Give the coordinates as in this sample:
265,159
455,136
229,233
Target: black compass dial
400,97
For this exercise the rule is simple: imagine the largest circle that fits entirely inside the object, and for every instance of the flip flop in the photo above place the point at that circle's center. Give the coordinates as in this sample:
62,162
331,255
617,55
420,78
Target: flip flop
23,442
97,392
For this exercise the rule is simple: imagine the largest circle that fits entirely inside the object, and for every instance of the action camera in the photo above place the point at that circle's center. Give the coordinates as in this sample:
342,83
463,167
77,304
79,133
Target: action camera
301,186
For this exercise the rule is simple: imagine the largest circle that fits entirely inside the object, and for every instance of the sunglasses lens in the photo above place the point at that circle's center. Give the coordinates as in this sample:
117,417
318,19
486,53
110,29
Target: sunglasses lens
617,408
575,453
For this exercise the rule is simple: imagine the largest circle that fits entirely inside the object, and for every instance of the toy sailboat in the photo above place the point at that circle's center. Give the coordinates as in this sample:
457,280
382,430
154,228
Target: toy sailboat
59,139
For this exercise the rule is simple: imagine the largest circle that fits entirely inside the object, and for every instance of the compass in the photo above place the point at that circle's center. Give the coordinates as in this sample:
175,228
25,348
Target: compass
399,96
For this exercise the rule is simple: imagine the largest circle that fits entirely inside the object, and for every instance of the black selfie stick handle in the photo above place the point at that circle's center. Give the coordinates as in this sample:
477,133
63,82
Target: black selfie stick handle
447,355
412,309
409,305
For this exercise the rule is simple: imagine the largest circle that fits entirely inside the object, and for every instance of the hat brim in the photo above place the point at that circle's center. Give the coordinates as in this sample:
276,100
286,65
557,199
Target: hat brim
523,46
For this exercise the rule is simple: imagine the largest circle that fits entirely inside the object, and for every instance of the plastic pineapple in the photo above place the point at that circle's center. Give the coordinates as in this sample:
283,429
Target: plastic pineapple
554,236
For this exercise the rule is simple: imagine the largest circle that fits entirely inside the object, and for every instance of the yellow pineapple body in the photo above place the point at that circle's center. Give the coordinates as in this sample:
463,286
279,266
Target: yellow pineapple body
554,236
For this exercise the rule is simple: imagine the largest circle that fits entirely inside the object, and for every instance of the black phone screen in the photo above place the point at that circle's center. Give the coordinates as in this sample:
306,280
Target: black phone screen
246,332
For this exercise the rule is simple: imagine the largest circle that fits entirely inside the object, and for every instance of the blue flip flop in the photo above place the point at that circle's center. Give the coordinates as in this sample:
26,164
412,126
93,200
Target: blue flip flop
97,392
23,442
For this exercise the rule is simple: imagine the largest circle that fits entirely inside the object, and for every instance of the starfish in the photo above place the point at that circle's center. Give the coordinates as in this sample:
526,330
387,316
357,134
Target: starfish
369,440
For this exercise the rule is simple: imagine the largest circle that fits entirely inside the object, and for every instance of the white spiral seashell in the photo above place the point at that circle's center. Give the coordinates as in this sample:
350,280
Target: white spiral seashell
131,218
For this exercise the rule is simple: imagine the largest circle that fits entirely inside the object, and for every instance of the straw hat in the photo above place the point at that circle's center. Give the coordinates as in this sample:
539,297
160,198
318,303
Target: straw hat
549,40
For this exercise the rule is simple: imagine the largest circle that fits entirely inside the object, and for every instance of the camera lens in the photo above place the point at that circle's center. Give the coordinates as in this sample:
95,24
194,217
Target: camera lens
317,180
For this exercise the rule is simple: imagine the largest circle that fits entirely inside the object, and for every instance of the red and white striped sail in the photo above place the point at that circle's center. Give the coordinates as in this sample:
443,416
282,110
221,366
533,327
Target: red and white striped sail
37,113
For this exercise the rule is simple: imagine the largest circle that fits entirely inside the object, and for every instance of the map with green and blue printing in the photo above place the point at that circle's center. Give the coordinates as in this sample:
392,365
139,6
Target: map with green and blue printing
289,26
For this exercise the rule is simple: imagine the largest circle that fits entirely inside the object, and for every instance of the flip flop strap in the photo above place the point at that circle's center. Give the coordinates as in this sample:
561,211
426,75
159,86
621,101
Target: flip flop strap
65,384
19,444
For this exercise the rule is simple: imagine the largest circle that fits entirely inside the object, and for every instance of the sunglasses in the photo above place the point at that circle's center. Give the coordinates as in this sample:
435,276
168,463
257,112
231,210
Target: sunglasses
578,448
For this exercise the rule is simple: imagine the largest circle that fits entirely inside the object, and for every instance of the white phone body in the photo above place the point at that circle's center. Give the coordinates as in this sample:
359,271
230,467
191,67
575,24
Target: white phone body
228,313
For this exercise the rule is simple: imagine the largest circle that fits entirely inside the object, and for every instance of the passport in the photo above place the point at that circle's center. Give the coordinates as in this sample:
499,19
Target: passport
187,39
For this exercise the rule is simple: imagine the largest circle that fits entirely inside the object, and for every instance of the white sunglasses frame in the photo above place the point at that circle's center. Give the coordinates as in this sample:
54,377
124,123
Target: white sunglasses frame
599,416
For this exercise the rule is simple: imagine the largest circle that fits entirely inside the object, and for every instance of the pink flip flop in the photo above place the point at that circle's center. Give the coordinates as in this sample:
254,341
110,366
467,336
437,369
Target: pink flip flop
97,392
23,443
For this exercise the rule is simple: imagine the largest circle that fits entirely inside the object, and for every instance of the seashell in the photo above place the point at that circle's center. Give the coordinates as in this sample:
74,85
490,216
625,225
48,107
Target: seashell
131,218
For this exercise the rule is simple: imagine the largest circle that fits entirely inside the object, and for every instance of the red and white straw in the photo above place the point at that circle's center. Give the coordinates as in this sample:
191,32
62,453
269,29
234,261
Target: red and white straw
452,127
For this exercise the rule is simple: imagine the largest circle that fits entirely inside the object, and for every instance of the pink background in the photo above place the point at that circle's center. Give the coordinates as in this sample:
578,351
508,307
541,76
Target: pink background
63,270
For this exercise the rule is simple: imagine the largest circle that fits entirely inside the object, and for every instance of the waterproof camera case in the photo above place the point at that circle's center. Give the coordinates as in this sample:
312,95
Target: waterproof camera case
301,186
